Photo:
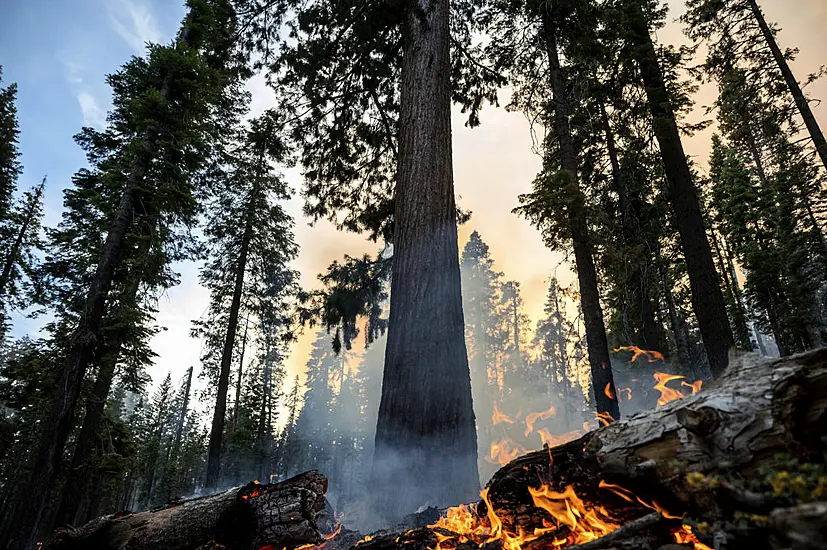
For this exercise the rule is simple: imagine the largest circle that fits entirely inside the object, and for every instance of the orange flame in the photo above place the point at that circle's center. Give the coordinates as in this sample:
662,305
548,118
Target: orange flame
584,523
604,418
504,451
651,356
500,418
327,538
534,417
553,440
668,394
629,496
608,391
684,535
628,393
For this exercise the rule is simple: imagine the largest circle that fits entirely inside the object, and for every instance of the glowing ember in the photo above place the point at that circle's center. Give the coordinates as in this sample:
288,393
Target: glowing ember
534,417
500,418
669,394
684,535
327,539
504,451
651,356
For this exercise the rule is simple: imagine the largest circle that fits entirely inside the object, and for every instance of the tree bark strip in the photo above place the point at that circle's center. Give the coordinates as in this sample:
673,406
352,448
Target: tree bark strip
605,393
707,298
425,446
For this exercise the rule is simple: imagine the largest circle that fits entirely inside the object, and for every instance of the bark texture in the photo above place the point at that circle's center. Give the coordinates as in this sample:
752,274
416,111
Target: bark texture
255,516
426,447
707,297
792,83
605,394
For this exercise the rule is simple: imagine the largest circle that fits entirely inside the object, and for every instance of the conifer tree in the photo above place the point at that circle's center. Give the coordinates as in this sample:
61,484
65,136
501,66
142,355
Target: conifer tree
10,167
164,127
251,242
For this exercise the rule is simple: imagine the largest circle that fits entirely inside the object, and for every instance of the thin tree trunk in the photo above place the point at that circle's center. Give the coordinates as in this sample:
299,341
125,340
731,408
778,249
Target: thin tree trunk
596,341
707,298
425,446
646,329
240,373
795,89
46,457
678,325
14,252
179,429
217,431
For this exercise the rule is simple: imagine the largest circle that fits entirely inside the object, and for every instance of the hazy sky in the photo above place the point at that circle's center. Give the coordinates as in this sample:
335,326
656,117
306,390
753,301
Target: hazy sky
59,52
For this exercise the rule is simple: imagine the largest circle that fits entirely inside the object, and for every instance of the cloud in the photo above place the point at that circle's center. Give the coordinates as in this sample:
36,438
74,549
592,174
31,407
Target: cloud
134,21
93,114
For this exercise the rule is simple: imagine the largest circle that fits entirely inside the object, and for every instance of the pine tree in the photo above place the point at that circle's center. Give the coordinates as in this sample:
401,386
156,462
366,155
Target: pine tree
165,127
10,167
251,242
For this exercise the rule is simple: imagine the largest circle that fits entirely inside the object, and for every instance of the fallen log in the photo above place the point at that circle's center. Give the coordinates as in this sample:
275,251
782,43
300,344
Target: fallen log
282,515
758,409
662,459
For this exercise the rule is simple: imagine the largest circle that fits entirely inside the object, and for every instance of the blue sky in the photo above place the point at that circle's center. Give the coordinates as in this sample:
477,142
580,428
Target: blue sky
59,51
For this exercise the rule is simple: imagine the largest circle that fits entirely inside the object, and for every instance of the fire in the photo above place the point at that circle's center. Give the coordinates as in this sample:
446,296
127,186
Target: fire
572,522
554,440
629,496
584,523
534,417
668,394
500,418
327,538
604,418
684,535
651,356
504,451
256,492
608,391
628,393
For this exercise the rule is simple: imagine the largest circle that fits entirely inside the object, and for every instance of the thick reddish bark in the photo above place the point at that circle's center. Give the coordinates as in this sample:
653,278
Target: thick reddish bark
426,447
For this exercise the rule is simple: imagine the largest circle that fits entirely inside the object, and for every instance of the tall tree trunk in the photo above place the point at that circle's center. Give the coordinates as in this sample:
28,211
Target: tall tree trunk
596,342
646,328
425,446
795,89
79,473
14,252
240,374
46,456
217,430
707,298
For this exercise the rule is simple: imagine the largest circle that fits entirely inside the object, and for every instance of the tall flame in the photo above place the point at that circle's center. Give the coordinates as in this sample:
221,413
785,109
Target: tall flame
684,535
504,451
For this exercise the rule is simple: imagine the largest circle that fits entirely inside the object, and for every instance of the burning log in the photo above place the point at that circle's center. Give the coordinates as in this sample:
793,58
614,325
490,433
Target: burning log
757,410
599,491
282,515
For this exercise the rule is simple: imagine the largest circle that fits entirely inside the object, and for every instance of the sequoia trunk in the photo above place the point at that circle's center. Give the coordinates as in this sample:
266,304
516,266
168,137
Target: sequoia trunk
426,447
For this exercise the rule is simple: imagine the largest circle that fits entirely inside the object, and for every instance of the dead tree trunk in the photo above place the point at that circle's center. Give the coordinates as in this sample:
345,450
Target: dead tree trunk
256,516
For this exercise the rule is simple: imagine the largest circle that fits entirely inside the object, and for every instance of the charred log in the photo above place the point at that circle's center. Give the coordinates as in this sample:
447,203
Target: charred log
282,515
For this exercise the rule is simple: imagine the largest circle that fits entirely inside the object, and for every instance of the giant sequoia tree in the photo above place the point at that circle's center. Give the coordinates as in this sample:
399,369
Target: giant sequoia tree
375,141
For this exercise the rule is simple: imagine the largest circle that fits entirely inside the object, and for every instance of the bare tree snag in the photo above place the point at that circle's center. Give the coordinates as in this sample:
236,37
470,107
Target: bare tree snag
282,515
758,409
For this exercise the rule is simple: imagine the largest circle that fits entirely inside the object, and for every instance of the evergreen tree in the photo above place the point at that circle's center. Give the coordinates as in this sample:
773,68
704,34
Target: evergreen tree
165,127
10,167
250,243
